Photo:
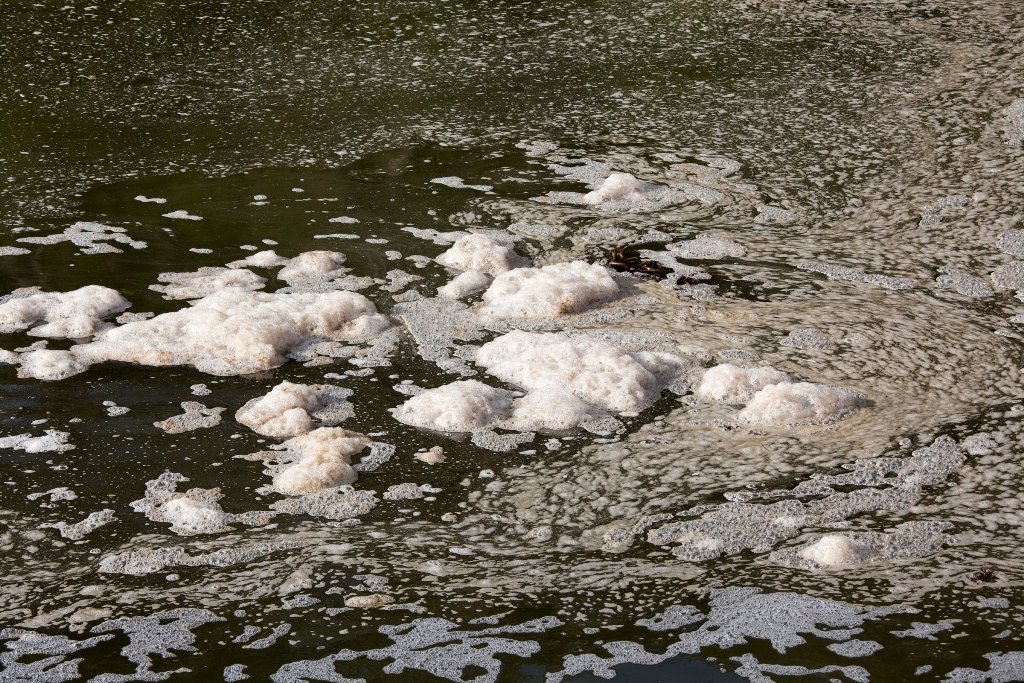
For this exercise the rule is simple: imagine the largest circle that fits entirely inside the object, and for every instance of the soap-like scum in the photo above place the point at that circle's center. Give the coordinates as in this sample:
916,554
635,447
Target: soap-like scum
885,250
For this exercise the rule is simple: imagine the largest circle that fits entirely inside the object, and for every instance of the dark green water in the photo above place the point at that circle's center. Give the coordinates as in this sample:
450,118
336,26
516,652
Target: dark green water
888,130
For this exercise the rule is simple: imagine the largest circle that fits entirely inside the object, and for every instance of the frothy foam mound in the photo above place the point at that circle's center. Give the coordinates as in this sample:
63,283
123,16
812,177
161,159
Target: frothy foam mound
470,282
550,291
234,332
620,187
457,407
552,408
481,253
49,365
597,372
833,550
52,441
324,461
261,259
65,315
802,403
206,281
613,191
288,409
733,384
312,267
188,516
195,511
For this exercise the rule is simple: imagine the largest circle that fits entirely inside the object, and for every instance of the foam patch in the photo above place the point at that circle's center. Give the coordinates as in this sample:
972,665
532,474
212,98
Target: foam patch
289,409
549,292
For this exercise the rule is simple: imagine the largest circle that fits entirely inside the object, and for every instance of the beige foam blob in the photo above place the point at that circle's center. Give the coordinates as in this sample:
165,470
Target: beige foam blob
730,383
596,372
621,187
550,291
289,409
64,315
313,266
234,332
832,550
324,461
205,282
550,408
261,259
457,407
469,282
50,365
483,254
283,412
188,516
801,403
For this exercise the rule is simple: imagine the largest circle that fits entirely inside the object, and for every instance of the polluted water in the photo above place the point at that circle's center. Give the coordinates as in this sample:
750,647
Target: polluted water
512,342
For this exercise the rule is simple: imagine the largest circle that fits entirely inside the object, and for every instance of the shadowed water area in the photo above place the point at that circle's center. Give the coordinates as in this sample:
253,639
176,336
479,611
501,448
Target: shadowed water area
494,342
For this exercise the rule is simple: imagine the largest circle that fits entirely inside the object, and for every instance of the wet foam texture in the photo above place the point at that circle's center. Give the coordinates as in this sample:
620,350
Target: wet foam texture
706,246
464,406
206,281
196,416
64,315
289,409
483,254
195,511
322,461
465,284
729,383
801,403
261,259
313,267
50,365
52,441
549,292
234,332
597,372
91,237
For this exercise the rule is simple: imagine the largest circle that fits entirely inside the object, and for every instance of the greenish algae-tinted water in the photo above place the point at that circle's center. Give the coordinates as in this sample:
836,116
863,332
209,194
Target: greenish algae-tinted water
885,137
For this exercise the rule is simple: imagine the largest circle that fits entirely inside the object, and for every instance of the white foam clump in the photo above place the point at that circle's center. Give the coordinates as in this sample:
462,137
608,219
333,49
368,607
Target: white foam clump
182,215
550,291
285,411
50,365
53,440
705,246
597,372
65,315
234,332
801,403
730,383
457,407
151,200
324,461
481,253
313,266
621,187
14,251
205,282
188,516
832,550
91,237
550,408
469,282
261,259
